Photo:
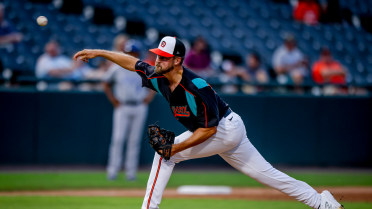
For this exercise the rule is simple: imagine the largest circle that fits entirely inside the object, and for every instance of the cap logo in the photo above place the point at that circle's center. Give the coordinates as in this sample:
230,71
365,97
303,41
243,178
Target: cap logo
163,43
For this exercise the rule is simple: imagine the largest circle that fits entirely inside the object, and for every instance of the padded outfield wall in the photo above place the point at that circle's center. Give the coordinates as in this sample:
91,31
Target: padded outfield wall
74,128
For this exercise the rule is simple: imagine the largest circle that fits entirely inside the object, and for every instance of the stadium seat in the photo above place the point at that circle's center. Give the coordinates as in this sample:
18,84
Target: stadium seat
230,26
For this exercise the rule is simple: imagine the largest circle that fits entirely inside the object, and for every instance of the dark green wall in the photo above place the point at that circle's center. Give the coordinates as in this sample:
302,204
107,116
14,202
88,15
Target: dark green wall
66,128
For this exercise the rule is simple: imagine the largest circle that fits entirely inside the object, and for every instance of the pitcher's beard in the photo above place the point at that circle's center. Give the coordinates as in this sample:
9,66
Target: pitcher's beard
159,70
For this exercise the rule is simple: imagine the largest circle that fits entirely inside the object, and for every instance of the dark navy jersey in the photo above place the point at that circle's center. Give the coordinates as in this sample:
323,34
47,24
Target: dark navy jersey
193,102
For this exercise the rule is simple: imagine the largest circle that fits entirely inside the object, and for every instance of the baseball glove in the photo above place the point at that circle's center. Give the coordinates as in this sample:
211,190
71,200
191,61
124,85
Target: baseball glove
161,140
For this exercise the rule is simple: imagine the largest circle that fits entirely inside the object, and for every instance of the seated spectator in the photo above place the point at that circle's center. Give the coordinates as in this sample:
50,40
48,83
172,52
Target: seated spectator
8,35
289,63
307,11
92,78
254,71
98,74
228,76
52,64
198,58
328,70
81,69
120,42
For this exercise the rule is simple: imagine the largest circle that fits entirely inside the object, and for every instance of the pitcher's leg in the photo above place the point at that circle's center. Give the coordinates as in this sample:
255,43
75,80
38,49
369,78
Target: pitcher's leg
228,136
249,161
161,170
160,173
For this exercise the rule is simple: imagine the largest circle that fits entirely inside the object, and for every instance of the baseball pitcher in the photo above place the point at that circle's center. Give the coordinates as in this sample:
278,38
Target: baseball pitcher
213,128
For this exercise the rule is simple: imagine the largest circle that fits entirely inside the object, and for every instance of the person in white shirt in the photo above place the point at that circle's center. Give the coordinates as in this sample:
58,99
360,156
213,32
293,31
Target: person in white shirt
52,64
289,63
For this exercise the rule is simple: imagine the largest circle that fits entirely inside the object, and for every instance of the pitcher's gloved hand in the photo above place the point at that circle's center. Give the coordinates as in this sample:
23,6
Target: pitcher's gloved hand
161,140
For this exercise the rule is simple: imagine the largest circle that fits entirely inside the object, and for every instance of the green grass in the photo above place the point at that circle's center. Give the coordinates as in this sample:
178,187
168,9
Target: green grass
36,202
10,181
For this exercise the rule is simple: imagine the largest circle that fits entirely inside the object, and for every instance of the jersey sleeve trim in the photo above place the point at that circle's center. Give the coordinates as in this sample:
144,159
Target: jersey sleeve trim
191,101
141,71
192,104
154,82
205,113
199,83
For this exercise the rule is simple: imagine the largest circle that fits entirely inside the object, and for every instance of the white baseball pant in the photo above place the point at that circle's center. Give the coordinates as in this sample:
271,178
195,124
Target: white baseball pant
128,123
232,144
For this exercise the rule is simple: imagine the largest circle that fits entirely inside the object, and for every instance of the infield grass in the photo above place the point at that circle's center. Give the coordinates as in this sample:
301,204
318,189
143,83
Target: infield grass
37,202
11,181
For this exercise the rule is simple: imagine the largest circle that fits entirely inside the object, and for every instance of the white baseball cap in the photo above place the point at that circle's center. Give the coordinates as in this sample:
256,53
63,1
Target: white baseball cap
169,47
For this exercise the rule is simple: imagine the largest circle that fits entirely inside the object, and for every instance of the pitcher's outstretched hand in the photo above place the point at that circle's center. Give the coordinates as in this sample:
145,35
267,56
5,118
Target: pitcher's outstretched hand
86,54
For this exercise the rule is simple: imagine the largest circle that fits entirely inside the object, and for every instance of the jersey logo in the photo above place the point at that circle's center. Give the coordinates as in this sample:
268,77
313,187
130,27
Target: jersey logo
180,111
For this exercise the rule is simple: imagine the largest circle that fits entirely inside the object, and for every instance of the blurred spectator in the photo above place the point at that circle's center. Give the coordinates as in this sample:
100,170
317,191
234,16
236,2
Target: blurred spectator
8,35
52,64
80,69
98,74
198,59
94,77
289,63
229,76
307,11
120,42
124,90
254,71
327,70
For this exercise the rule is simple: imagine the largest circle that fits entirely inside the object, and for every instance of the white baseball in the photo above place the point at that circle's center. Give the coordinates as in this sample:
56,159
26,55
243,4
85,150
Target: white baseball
42,21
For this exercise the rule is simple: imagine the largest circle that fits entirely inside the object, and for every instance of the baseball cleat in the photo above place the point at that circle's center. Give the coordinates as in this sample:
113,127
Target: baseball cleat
131,178
329,202
111,177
